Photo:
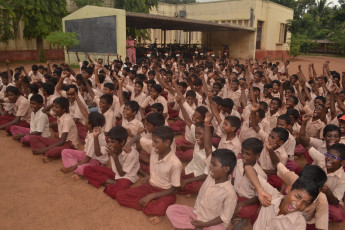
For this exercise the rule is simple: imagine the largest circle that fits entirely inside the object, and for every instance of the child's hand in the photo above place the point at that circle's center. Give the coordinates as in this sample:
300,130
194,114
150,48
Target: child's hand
178,99
306,117
48,62
198,223
145,200
255,107
7,62
121,80
268,146
96,131
265,198
208,118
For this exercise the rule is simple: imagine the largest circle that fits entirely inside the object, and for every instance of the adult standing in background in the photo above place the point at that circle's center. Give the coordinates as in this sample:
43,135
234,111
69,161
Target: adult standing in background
131,46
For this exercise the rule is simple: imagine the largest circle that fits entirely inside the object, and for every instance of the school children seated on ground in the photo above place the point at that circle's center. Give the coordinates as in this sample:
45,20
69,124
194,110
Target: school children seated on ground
273,120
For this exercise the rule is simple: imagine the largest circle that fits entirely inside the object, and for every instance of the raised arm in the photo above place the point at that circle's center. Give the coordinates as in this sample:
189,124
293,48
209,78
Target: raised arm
49,68
76,54
208,135
81,106
184,112
7,62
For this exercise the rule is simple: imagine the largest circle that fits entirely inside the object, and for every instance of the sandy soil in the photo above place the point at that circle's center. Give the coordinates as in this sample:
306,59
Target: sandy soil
34,195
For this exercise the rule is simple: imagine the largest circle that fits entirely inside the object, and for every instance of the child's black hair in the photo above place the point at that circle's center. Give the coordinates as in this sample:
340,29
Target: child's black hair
108,98
182,84
304,183
34,67
197,82
202,110
339,148
329,128
277,100
282,133
133,105
321,98
234,122
286,118
71,86
268,86
256,89
253,144
118,133
191,93
63,103
48,88
217,99
293,112
218,84
158,107
37,98
201,125
276,82
34,88
158,88
164,133
126,95
152,72
96,119
228,103
226,157
109,85
263,105
12,89
156,119
295,100
151,82
140,83
315,173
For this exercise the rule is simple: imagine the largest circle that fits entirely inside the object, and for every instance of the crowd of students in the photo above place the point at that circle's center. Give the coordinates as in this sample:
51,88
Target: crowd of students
238,128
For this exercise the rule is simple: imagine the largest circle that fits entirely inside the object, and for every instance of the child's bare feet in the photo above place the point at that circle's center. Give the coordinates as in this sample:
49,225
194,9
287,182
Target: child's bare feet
156,219
188,195
67,170
46,159
75,177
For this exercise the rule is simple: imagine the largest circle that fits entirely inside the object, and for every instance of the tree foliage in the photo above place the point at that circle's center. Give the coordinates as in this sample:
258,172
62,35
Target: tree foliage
142,6
176,2
82,3
316,19
63,39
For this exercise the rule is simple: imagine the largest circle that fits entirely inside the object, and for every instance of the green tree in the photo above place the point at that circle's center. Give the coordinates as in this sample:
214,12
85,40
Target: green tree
82,3
178,1
40,18
63,40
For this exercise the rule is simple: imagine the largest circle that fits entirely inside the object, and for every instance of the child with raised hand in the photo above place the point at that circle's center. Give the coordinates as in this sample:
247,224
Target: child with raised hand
197,117
68,133
316,214
332,163
158,194
39,123
94,150
196,171
276,139
278,211
248,203
216,200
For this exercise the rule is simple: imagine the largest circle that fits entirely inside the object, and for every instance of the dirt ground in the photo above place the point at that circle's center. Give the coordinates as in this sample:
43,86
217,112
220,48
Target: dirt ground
35,195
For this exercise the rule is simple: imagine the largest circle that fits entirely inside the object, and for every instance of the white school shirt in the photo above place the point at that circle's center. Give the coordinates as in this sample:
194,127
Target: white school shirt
36,77
268,218
215,200
89,147
130,165
40,123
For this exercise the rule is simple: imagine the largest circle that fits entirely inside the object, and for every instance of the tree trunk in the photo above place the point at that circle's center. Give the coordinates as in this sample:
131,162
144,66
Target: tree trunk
40,49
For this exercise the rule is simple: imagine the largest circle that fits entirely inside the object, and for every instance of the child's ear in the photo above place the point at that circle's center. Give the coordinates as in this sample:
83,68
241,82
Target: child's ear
122,143
257,156
167,143
226,169
281,142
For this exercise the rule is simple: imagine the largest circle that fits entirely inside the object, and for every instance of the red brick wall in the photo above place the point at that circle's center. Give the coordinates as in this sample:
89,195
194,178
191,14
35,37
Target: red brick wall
31,55
260,54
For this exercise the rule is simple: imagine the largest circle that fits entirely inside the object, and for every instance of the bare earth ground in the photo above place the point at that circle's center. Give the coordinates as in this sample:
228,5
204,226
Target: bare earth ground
34,195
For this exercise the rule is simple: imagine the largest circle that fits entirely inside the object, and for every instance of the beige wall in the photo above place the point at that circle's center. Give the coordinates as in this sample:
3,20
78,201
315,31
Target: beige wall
94,11
236,12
